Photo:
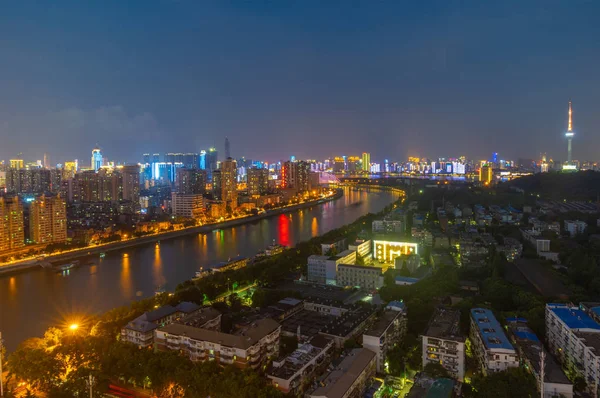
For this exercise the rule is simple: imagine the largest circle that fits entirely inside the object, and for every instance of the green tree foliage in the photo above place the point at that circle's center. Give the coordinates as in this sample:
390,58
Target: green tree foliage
407,353
512,383
436,370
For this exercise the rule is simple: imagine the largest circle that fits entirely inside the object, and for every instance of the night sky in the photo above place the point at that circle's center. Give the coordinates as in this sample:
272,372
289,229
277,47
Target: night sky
297,77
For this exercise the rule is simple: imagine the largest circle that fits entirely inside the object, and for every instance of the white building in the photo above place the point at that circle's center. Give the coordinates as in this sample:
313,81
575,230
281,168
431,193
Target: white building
350,378
575,227
388,226
366,277
491,347
323,269
443,343
248,347
387,331
187,205
574,337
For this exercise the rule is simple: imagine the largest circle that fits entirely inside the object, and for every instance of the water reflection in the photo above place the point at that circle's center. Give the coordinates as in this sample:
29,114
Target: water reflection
45,296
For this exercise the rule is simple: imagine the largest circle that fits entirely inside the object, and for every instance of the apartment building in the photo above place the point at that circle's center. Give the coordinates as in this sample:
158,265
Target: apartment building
140,331
385,333
248,347
529,347
574,338
491,347
443,343
363,248
292,373
350,378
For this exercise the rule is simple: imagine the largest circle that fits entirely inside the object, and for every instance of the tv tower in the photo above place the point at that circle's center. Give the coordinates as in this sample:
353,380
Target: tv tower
569,134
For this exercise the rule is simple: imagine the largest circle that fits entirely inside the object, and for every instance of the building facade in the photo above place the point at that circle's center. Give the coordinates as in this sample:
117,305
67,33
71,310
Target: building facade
366,277
12,234
323,269
48,220
187,205
387,332
190,181
258,181
491,347
443,343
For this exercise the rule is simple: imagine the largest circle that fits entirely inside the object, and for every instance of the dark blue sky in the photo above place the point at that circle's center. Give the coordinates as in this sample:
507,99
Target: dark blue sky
309,78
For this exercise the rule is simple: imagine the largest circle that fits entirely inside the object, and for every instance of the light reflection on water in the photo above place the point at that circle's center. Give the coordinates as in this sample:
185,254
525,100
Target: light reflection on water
32,301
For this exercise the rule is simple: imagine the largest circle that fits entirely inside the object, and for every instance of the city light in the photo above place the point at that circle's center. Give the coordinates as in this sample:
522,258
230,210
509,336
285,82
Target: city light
73,327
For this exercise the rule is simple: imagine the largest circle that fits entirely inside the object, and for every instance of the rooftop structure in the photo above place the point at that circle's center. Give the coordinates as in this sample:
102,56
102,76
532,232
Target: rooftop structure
490,328
350,377
442,342
445,324
574,318
491,347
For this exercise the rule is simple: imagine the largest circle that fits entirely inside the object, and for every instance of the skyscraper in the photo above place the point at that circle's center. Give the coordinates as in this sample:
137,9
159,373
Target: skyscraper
17,164
202,160
131,183
486,174
212,157
258,181
569,134
190,181
296,175
48,220
12,235
96,159
226,183
366,162
227,148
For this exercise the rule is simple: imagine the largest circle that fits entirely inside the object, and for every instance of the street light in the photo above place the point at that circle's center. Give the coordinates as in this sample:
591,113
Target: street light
73,327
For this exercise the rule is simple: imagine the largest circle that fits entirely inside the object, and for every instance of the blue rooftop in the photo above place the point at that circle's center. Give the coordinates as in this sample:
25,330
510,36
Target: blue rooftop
574,317
490,329
407,279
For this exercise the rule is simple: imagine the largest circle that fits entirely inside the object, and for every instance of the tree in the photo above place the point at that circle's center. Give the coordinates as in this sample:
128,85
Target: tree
512,383
435,370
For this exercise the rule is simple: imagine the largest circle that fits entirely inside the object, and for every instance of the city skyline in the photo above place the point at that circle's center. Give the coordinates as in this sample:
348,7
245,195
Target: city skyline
389,79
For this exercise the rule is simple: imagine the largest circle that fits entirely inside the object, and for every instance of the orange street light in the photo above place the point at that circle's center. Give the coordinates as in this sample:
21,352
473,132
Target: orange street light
73,327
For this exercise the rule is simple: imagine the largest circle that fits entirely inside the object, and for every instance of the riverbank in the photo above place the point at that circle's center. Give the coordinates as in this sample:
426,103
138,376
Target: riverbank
96,250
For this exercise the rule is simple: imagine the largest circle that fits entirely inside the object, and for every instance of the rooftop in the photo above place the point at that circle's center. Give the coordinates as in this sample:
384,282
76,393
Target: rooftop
531,347
490,329
406,279
159,313
338,382
574,317
445,324
243,338
186,307
299,358
383,323
199,319
343,325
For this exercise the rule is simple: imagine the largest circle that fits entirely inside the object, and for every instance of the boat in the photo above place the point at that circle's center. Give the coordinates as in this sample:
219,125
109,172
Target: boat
102,255
67,266
274,249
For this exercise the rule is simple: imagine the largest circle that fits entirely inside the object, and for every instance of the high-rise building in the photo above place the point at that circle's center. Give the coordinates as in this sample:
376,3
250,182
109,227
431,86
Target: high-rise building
97,161
486,175
69,169
569,134
131,183
202,159
212,157
190,181
191,160
48,220
146,158
339,164
46,161
296,175
225,185
366,162
104,186
258,181
227,148
17,164
353,164
12,235
187,205
21,181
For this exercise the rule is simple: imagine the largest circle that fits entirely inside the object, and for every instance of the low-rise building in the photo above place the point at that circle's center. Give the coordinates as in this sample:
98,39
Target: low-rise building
248,347
140,331
363,248
323,269
292,373
365,277
575,227
189,205
529,347
385,333
350,324
574,338
332,248
405,280
350,378
388,226
443,343
491,347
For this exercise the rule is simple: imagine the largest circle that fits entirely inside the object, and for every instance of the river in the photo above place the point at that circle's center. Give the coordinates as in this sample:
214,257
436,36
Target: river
34,300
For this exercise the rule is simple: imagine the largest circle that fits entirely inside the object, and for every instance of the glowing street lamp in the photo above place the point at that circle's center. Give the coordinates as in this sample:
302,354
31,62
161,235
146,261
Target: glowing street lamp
73,327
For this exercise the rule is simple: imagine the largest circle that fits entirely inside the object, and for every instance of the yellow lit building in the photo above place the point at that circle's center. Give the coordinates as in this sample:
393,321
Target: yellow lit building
486,175
387,251
12,235
48,220
412,159
17,164
69,169
366,162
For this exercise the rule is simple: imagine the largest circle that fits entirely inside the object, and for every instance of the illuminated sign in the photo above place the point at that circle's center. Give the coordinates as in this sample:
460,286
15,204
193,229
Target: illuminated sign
386,251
